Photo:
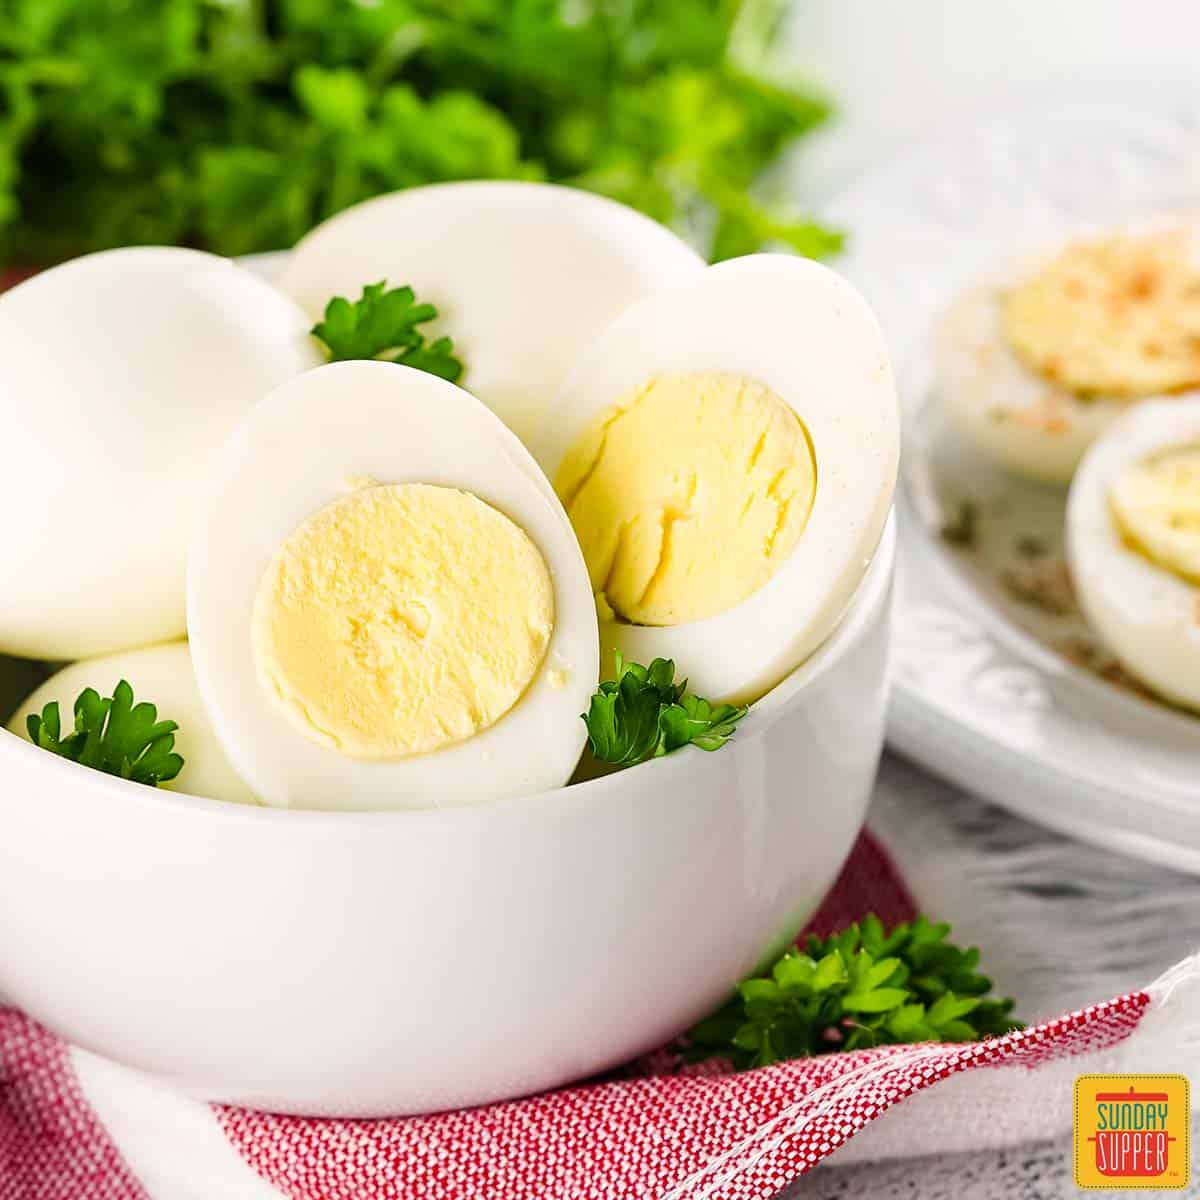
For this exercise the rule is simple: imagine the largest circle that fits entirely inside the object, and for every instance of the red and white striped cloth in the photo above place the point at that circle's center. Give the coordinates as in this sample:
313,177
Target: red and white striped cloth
73,1127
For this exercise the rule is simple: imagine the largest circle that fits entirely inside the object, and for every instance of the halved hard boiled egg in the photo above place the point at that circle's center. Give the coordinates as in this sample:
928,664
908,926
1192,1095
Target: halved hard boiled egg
727,452
386,604
1133,543
524,276
1036,363
122,373
162,675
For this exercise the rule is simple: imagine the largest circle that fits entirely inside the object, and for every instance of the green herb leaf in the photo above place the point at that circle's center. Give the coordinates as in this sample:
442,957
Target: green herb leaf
622,721
113,735
644,713
861,987
384,324
437,359
694,721
237,126
878,1001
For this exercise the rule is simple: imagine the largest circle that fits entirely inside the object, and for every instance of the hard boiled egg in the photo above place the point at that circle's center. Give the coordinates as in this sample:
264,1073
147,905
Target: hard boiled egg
1133,543
386,604
524,276
1037,362
727,452
122,373
163,676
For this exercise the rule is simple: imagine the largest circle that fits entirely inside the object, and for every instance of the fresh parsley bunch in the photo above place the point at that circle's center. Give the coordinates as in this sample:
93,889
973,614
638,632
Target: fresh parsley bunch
384,324
644,713
113,735
239,125
862,987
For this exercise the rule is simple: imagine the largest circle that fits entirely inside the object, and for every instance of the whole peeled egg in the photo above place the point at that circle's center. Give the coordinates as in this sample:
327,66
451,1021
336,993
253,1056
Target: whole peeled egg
121,374
406,621
163,676
727,452
524,276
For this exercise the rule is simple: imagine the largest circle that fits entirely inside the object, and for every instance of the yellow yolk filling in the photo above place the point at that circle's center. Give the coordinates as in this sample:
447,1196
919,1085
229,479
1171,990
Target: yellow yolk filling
1118,316
687,496
1156,504
401,619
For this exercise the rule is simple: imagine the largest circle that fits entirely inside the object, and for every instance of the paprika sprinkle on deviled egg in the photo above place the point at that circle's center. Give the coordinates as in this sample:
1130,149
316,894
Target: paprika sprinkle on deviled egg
1037,362
1116,315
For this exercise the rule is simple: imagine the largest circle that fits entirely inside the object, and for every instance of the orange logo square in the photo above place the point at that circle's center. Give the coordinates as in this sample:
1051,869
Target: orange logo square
1131,1131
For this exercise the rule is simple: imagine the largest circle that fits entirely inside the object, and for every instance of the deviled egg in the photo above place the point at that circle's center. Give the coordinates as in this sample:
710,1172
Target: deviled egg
727,452
524,276
163,673
122,373
1036,363
387,606
1133,543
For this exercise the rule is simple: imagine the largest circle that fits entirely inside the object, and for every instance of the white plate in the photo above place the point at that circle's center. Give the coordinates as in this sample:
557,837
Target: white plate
983,692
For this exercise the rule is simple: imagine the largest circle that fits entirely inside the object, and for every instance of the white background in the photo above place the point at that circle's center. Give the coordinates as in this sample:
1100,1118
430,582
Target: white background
900,70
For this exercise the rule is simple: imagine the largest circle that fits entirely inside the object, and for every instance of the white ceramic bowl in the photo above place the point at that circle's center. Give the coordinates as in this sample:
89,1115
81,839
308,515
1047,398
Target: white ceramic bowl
387,963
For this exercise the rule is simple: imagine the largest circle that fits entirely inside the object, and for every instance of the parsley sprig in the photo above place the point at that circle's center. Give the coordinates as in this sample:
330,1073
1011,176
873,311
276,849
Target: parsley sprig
111,734
383,323
237,126
644,713
862,987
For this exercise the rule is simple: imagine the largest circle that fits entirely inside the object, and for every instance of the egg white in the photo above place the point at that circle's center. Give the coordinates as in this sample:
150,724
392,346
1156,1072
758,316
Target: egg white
163,676
524,276
1146,615
288,459
122,373
805,333
1025,423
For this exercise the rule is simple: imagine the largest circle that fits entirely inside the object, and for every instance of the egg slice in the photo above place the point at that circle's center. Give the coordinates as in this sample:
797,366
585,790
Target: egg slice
1133,544
1037,362
524,276
122,373
386,604
727,452
163,676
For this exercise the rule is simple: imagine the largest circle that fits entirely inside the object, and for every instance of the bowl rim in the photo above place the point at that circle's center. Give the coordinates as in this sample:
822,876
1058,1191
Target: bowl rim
870,593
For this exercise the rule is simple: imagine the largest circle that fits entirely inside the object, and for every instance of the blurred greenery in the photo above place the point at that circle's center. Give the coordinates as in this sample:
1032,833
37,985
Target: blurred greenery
238,124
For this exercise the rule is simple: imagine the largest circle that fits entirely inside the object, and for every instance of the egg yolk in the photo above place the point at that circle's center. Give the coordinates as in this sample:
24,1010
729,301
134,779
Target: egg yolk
401,619
1117,316
687,496
1156,504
